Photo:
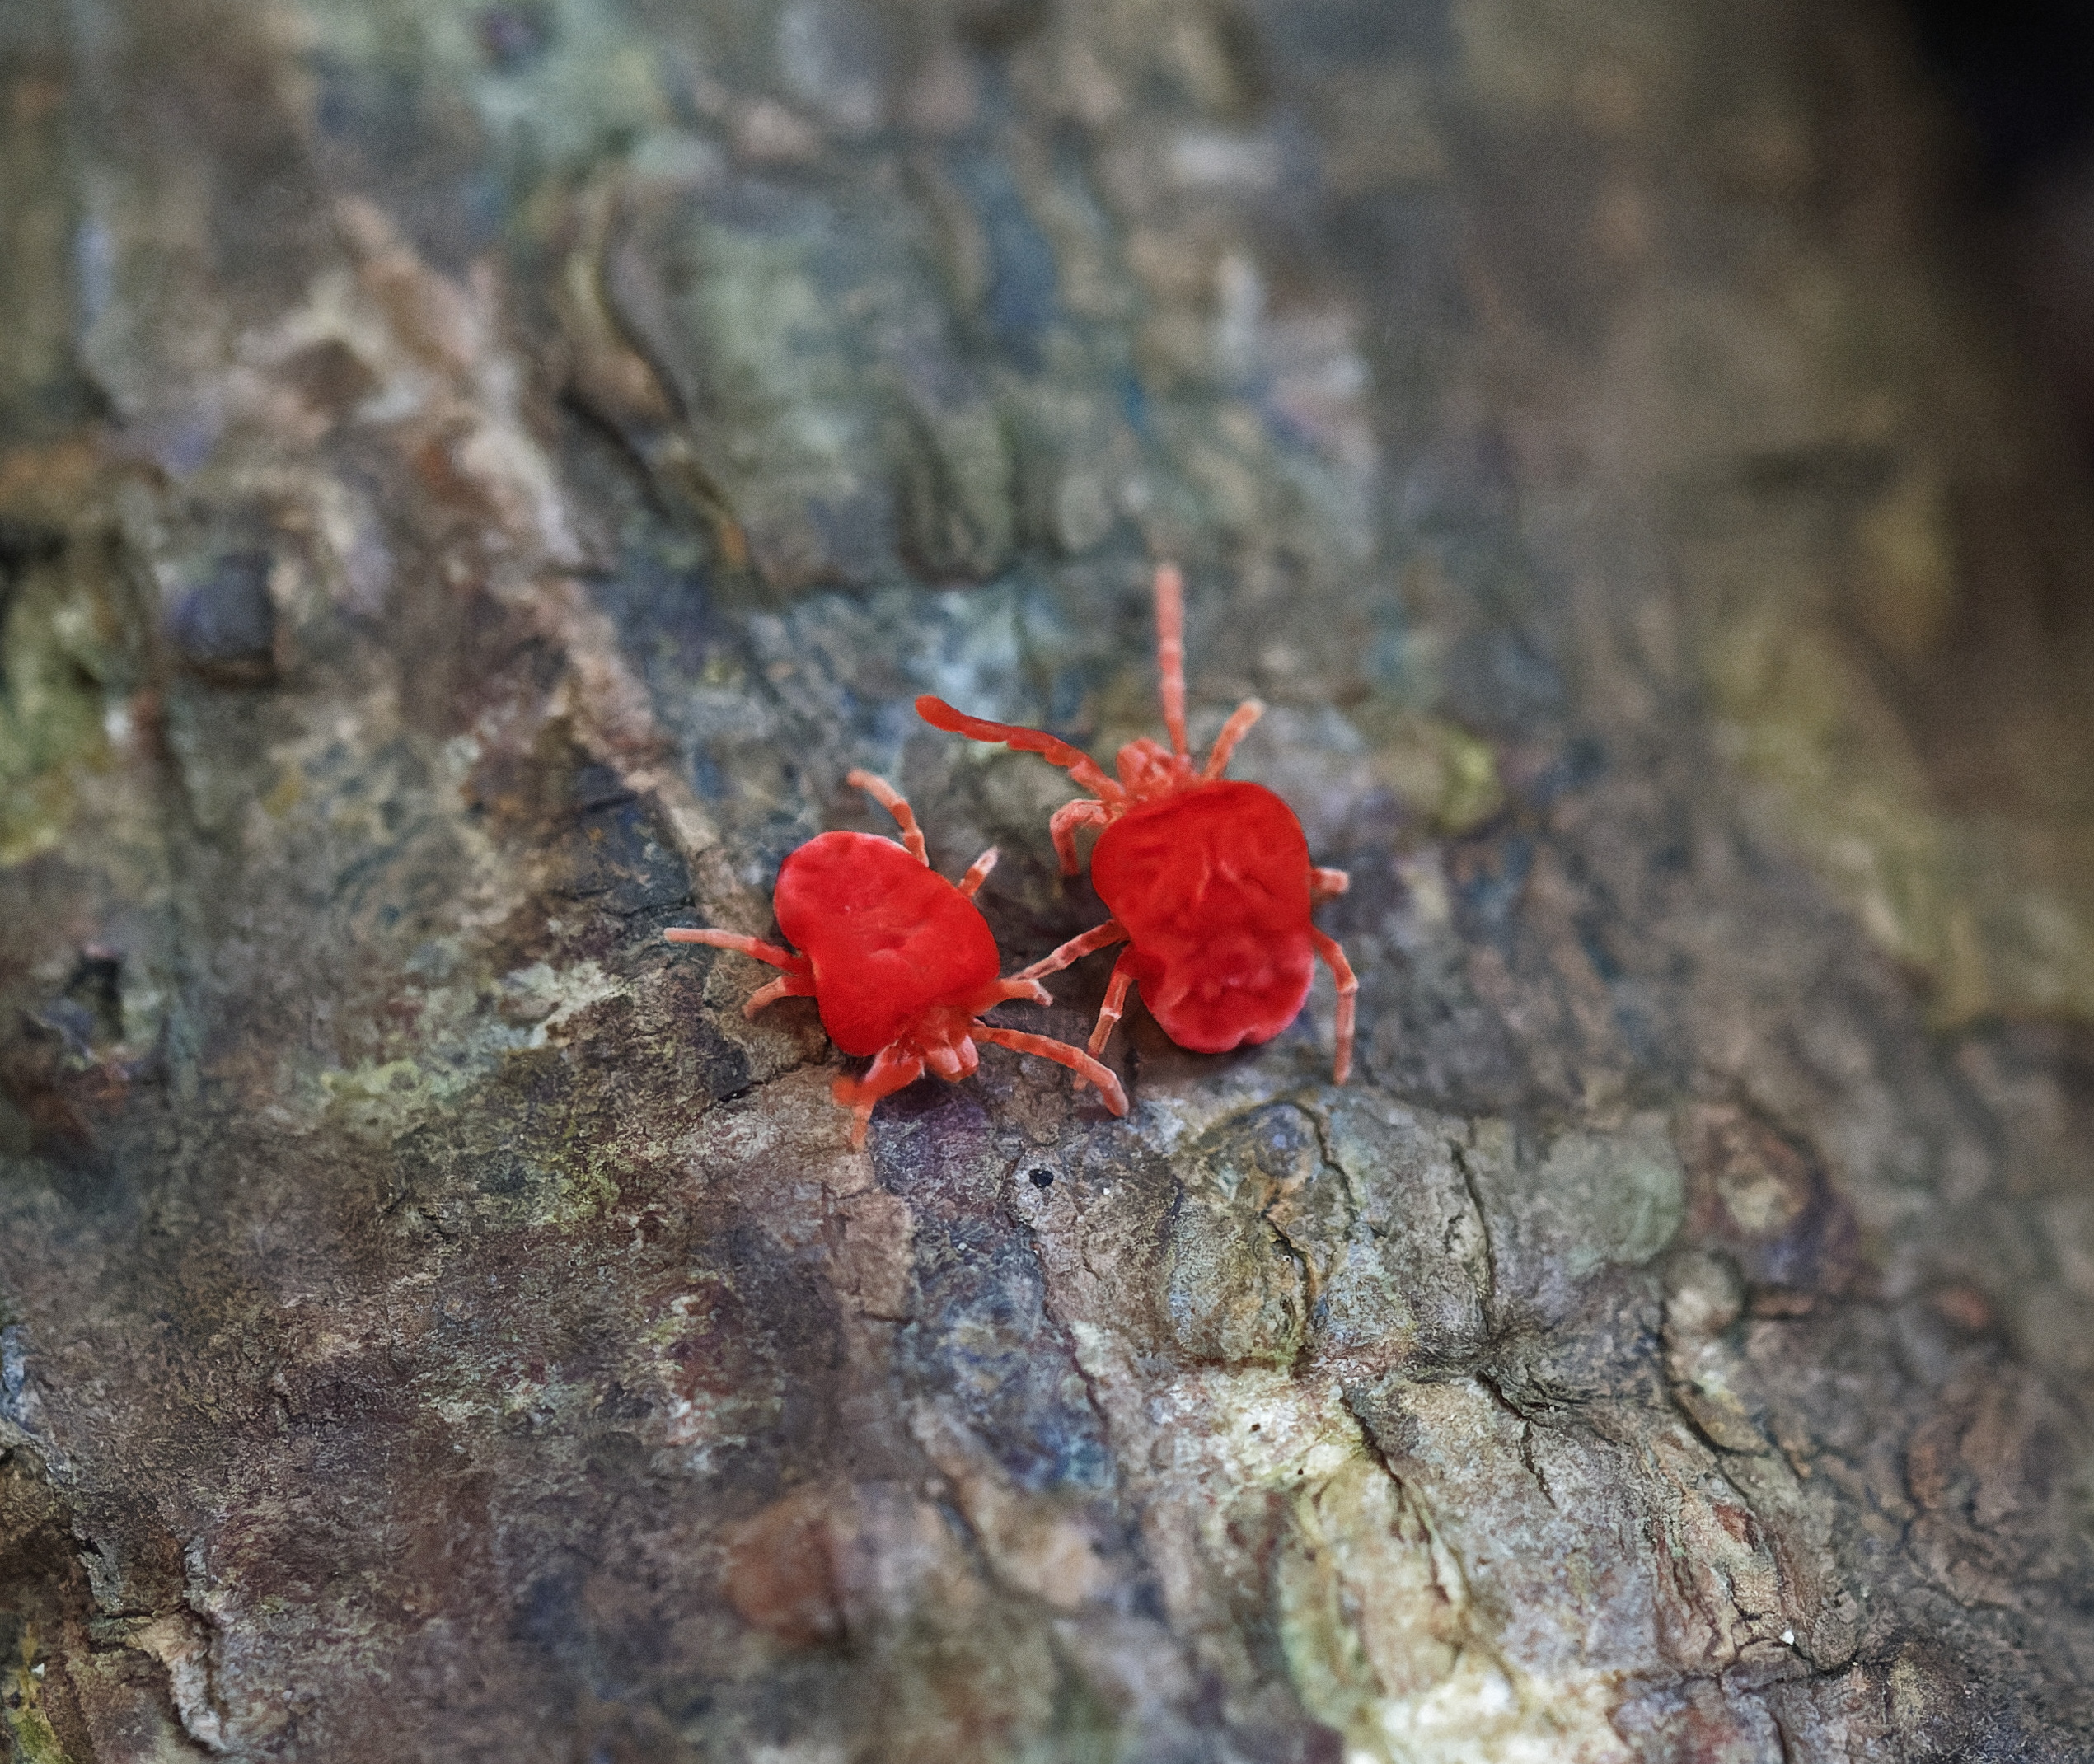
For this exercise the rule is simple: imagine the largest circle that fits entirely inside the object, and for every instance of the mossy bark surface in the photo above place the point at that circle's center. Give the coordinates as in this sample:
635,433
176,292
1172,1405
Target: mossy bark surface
474,479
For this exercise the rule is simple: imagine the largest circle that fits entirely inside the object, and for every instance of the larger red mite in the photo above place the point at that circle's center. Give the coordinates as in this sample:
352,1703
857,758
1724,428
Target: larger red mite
1208,880
899,962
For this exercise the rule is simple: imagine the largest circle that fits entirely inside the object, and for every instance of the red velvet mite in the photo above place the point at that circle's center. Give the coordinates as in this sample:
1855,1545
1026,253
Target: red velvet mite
899,962
1208,880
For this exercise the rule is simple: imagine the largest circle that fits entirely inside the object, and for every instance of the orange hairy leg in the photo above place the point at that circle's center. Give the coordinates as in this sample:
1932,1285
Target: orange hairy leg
1099,936
1116,1001
892,1070
1085,812
1170,653
1062,1053
1348,987
748,946
785,986
796,982
977,872
1075,949
896,805
1238,726
1056,751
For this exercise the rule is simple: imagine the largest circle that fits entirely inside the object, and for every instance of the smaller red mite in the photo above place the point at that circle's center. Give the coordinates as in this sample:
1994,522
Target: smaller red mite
1208,880
899,962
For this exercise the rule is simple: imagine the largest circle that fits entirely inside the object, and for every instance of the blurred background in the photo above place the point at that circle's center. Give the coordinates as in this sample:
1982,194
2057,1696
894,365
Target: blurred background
2019,79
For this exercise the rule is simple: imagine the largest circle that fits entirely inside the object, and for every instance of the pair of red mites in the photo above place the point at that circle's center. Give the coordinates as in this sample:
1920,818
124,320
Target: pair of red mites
1208,880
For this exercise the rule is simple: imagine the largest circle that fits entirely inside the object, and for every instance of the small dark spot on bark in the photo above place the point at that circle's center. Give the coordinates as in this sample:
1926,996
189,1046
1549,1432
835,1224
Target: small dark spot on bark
504,1179
328,376
24,542
995,25
224,625
514,36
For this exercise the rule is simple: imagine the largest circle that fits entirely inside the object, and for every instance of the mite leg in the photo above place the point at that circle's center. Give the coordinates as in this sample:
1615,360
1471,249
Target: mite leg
892,801
748,946
1233,731
1170,652
1083,768
785,986
1116,1000
1075,949
1323,883
1085,812
1348,986
977,872
1061,1054
890,1070
1018,987
797,982
954,1061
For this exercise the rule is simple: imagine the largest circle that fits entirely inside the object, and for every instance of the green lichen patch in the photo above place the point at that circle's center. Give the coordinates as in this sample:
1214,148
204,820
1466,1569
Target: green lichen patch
1370,1602
1434,767
28,1729
64,664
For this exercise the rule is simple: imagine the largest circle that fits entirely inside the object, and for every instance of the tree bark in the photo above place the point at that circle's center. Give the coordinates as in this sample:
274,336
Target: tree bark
473,481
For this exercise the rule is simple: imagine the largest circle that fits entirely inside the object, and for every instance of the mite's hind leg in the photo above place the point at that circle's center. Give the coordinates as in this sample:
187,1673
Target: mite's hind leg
747,945
785,986
891,1069
1224,744
1115,1001
1061,1054
1322,884
1075,950
1085,812
896,805
797,982
977,872
1348,987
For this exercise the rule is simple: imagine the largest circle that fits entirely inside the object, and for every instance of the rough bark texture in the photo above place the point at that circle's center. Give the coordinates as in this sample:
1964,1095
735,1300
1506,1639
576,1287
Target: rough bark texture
474,479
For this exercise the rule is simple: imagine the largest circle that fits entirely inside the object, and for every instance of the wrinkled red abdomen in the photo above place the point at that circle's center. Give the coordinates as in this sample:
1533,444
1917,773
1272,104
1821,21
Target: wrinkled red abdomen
888,939
1212,884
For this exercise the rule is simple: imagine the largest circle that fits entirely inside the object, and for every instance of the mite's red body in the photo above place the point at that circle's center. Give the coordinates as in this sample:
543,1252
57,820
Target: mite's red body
899,962
1208,880
1212,886
888,939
